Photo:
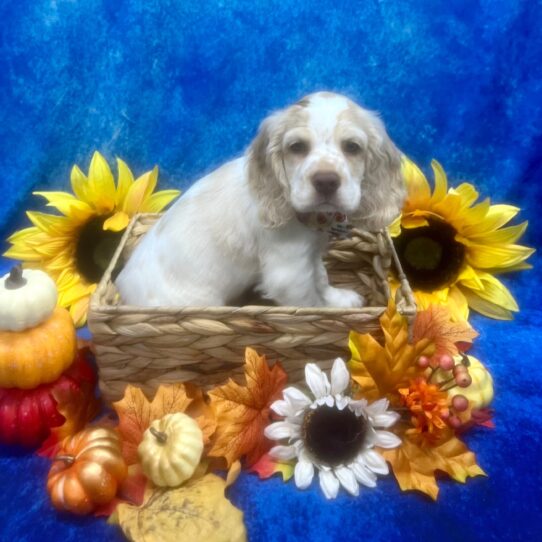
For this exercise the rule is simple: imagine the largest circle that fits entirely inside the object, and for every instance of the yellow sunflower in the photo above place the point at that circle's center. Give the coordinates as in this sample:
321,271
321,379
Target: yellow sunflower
451,246
76,248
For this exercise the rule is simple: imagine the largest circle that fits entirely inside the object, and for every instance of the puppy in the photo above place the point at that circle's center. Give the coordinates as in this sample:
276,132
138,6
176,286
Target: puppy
242,226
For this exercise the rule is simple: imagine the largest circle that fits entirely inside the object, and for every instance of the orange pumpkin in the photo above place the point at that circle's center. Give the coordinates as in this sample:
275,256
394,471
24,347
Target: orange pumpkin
37,355
87,471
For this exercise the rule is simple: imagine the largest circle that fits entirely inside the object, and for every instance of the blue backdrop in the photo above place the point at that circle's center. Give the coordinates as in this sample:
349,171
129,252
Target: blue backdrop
184,84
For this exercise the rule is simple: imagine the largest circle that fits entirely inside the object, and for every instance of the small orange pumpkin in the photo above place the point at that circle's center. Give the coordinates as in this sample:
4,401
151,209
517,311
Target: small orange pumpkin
87,471
38,355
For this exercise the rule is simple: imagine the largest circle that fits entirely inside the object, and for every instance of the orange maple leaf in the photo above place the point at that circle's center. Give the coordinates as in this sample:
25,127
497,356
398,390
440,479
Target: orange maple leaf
435,324
242,412
414,464
136,413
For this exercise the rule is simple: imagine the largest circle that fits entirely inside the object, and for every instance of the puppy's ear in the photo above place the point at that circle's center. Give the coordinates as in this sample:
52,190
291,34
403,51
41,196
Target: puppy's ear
266,174
383,188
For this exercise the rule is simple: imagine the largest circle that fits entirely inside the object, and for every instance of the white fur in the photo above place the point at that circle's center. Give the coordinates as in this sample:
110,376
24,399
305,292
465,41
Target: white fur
236,228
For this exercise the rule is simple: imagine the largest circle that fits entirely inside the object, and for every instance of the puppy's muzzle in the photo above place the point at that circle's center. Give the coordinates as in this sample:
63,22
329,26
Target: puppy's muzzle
326,183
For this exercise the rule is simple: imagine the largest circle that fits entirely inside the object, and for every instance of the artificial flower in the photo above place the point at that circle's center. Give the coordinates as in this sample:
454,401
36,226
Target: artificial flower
451,246
428,404
331,433
76,248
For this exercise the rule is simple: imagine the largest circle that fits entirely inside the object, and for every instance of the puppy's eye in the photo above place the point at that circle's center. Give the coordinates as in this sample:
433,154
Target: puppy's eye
299,147
351,147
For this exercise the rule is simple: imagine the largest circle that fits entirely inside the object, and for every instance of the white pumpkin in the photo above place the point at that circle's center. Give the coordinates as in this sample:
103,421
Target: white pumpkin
480,392
171,449
27,298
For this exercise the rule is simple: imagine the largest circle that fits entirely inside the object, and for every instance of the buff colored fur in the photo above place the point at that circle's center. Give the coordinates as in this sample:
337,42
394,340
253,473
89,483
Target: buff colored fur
237,228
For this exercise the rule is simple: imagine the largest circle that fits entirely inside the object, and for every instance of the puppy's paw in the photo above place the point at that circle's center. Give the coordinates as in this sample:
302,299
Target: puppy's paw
346,299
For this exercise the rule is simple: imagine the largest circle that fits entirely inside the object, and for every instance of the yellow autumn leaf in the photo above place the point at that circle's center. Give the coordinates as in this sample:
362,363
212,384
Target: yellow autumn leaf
414,465
197,511
380,368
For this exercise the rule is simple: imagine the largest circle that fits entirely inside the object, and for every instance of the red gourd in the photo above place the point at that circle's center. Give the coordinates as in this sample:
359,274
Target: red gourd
26,416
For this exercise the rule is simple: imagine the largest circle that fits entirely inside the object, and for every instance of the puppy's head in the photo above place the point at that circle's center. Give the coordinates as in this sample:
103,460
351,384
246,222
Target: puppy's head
325,153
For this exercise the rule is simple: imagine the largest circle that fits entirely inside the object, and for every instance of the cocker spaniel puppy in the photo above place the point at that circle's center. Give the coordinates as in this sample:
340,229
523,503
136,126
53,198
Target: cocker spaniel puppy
244,225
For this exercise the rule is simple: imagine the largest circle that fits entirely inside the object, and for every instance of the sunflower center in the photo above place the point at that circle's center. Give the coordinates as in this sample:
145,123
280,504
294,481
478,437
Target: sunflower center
333,436
95,248
430,255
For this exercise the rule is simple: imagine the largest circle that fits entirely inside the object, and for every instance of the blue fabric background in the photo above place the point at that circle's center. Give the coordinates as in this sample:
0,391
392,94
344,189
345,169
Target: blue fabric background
184,84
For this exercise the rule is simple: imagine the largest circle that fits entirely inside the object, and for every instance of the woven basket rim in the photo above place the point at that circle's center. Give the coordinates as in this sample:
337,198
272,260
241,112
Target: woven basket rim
407,308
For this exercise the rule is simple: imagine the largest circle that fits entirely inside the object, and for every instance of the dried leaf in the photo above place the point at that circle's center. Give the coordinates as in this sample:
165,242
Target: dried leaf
436,325
242,412
79,406
136,413
132,490
414,465
233,473
197,511
266,466
380,369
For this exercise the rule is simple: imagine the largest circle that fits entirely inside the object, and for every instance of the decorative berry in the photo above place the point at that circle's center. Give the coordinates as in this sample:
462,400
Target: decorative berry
454,422
460,403
446,362
463,380
423,362
459,370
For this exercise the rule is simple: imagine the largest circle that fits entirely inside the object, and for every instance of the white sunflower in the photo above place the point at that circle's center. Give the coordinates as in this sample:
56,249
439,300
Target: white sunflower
333,433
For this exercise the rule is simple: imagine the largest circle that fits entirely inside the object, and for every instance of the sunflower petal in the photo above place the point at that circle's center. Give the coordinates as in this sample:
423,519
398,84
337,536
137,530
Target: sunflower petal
303,474
157,202
485,307
77,292
496,217
418,189
23,235
125,181
497,257
329,484
67,204
79,311
26,254
79,184
101,184
458,305
317,381
496,292
51,224
411,221
138,192
348,480
469,277
117,222
441,181
468,194
504,236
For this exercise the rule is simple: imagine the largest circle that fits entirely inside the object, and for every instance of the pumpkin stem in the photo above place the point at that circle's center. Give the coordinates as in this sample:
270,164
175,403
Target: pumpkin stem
161,437
15,279
69,459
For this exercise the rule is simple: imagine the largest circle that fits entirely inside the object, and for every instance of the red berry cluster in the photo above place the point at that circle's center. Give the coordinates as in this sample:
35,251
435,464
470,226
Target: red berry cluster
460,378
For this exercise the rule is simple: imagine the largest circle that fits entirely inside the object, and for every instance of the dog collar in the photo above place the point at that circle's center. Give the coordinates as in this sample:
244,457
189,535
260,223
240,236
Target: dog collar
336,224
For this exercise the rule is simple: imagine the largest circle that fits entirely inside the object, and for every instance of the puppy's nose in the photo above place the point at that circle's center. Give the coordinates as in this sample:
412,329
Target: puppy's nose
326,183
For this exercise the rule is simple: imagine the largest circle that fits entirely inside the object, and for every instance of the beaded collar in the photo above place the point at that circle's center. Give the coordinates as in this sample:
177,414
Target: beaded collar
333,223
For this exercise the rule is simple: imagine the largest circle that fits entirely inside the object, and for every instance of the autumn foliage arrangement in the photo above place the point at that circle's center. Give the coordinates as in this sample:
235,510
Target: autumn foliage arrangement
400,405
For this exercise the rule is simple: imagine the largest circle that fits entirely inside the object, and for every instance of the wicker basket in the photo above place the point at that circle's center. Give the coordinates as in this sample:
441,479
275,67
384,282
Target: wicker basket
151,346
